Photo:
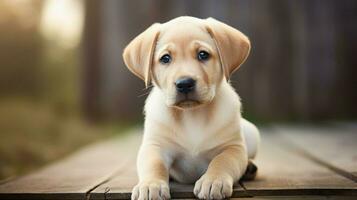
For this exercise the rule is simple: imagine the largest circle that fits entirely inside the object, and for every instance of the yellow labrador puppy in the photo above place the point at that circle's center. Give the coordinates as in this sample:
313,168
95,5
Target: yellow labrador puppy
194,132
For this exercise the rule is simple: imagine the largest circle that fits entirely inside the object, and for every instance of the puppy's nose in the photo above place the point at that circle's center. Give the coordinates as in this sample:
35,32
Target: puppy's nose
185,85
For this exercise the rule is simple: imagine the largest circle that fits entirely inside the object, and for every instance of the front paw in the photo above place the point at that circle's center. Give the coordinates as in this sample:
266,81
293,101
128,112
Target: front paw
153,189
210,187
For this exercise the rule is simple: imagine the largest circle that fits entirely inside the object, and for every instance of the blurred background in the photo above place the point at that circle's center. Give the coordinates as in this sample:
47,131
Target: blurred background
63,83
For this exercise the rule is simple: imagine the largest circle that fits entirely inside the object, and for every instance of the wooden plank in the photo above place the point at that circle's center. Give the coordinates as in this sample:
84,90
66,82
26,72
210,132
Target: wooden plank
107,171
334,147
75,176
291,198
120,186
282,171
298,198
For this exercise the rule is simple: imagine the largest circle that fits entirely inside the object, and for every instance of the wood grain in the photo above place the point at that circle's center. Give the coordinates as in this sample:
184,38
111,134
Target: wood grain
75,176
334,147
107,170
120,186
284,171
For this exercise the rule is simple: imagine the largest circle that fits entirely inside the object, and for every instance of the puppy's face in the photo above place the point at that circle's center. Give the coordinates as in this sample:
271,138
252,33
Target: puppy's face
186,65
187,58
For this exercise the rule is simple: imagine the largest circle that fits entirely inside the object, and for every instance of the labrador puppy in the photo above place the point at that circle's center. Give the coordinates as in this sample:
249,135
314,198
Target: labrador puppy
193,131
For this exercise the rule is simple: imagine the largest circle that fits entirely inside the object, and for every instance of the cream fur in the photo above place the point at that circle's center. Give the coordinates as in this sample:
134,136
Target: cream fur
208,144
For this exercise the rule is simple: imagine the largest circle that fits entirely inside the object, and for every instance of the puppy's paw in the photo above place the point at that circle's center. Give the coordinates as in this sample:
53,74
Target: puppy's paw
151,190
208,187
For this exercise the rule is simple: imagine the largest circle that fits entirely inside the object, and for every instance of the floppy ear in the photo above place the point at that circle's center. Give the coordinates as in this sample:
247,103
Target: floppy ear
233,46
138,55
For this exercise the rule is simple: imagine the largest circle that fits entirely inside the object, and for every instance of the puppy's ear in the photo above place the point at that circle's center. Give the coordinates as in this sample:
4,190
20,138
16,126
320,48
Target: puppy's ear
138,55
233,46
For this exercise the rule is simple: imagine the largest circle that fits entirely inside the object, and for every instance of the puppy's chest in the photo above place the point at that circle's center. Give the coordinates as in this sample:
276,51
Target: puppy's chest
195,136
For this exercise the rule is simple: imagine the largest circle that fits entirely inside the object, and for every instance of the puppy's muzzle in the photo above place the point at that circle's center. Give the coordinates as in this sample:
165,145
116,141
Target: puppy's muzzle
185,85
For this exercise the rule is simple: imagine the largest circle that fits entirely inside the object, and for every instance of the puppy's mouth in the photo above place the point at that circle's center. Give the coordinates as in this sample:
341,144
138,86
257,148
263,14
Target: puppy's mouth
187,103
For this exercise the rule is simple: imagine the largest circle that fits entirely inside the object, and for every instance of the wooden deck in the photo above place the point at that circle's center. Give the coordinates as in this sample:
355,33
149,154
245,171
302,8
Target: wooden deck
293,162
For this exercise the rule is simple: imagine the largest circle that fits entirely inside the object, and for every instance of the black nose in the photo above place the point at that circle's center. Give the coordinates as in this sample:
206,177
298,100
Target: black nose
185,85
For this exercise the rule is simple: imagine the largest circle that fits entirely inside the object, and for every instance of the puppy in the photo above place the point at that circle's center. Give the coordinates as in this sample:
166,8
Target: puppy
193,131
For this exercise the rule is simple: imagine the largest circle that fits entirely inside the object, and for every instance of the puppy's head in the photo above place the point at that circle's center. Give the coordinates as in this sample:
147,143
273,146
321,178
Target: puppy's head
187,58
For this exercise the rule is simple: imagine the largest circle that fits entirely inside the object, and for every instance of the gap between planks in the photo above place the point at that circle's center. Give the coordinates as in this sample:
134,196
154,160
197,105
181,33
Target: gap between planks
270,168
127,156
105,180
125,175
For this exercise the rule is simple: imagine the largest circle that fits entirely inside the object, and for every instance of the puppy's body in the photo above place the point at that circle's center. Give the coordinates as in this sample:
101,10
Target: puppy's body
193,126
190,139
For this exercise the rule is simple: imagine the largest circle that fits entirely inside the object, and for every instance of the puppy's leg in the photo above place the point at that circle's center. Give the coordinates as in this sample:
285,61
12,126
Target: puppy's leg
225,169
153,175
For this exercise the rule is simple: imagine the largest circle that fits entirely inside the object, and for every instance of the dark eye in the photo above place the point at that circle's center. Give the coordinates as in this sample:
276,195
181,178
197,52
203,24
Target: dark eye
203,55
165,59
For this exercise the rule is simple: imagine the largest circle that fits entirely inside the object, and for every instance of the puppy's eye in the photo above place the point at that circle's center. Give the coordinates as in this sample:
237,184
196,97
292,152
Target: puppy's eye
203,55
165,59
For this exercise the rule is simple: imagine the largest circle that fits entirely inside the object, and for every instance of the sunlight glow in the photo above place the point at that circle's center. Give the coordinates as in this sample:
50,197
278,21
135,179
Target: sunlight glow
62,22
